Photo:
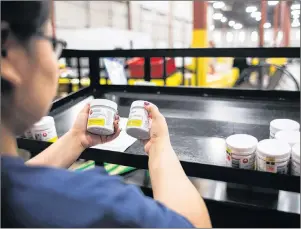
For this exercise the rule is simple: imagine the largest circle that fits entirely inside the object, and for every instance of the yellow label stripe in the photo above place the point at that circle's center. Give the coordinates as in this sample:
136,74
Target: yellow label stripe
134,123
53,139
96,122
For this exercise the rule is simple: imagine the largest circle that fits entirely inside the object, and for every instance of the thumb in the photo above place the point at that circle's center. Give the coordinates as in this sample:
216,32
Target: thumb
152,110
86,109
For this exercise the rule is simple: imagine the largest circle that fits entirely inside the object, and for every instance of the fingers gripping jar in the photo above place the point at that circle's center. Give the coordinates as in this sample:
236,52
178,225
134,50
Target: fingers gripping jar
295,166
101,117
240,152
273,156
282,124
44,130
138,123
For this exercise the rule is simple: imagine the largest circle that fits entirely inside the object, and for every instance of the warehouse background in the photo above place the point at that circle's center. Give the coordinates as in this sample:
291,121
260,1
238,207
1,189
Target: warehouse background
153,24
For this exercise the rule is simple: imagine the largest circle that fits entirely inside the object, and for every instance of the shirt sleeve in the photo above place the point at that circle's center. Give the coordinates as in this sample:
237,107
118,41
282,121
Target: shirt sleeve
45,197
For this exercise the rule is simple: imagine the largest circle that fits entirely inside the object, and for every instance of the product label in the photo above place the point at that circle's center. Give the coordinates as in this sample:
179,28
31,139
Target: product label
270,165
134,123
240,161
138,117
101,116
96,122
47,135
28,134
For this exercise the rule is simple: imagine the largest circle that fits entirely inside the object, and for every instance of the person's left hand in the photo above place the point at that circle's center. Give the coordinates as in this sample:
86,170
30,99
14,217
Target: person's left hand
87,139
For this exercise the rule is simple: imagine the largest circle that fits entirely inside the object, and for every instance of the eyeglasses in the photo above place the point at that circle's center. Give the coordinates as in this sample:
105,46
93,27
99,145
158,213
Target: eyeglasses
57,44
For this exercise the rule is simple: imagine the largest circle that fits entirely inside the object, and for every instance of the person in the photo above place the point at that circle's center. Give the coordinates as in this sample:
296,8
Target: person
212,61
42,192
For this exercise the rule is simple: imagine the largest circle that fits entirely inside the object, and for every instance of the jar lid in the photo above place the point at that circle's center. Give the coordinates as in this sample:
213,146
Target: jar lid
104,102
138,103
46,120
290,136
242,143
273,148
296,152
283,124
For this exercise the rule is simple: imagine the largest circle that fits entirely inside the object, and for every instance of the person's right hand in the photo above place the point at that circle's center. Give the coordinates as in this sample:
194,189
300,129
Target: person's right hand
159,135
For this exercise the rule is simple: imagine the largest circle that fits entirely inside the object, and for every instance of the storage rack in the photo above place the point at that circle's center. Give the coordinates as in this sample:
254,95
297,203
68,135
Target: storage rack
268,105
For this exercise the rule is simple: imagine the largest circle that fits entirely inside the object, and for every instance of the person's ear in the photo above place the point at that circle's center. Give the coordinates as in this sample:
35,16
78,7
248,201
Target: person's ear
7,68
9,74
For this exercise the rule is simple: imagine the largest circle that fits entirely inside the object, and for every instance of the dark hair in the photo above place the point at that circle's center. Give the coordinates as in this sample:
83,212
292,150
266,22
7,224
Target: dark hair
24,19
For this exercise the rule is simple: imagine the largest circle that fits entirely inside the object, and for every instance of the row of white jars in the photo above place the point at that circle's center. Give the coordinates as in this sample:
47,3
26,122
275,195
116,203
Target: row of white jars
269,155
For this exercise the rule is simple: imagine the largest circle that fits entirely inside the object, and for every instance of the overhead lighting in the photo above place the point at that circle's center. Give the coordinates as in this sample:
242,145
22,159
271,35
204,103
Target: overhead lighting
254,36
280,36
295,12
272,3
238,26
255,14
224,19
218,5
258,18
267,25
295,7
229,36
267,37
251,9
298,35
231,23
295,23
212,27
217,16
241,36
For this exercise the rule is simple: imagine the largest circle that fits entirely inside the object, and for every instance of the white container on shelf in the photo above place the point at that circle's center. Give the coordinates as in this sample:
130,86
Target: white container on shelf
138,122
291,137
273,156
44,130
295,165
28,134
101,117
283,124
240,151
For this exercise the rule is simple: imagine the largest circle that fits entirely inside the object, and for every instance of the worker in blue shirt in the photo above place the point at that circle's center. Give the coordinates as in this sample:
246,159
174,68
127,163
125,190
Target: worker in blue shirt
42,192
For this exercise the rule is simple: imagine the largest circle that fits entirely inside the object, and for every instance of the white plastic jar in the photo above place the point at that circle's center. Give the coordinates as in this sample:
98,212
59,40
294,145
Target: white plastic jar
240,151
28,134
138,122
273,156
44,130
101,117
282,124
291,137
295,165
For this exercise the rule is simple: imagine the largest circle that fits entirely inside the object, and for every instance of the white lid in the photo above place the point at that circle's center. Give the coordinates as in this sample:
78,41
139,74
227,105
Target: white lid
290,136
296,152
138,103
242,143
46,120
104,102
283,124
273,148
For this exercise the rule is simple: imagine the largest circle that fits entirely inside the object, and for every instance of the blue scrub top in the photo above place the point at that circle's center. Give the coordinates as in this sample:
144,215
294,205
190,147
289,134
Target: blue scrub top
48,197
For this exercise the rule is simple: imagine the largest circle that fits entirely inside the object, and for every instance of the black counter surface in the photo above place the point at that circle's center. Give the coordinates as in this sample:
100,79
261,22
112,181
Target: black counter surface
198,126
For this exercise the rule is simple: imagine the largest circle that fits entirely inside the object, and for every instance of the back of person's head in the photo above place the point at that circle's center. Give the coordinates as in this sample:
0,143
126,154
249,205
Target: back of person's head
29,68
